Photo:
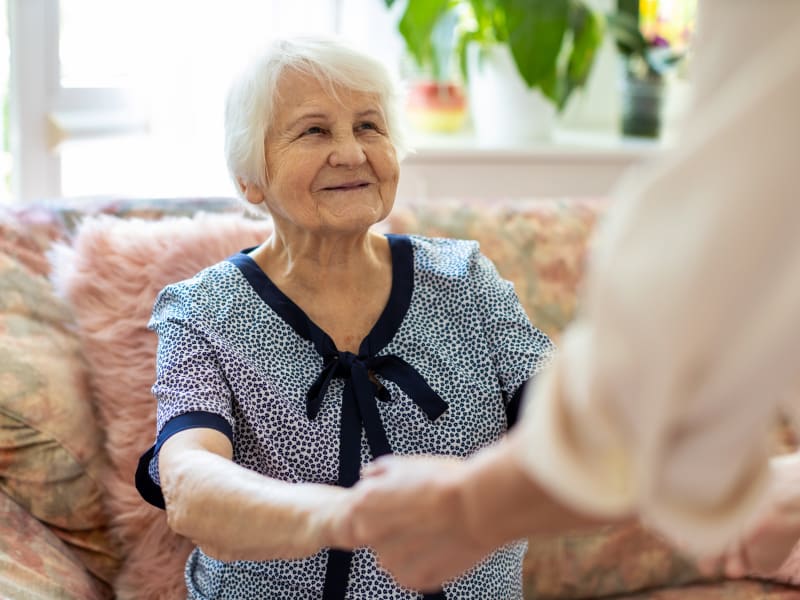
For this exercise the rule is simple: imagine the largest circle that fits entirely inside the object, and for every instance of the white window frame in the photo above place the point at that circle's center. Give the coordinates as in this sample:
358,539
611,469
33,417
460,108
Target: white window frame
42,113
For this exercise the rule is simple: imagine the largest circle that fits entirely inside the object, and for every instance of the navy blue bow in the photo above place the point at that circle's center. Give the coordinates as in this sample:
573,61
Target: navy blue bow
359,408
361,387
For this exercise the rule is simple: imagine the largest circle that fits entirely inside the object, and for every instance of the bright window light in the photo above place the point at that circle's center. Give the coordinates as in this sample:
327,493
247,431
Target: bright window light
174,59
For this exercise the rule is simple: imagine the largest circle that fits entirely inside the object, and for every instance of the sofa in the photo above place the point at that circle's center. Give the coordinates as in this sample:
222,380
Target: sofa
77,282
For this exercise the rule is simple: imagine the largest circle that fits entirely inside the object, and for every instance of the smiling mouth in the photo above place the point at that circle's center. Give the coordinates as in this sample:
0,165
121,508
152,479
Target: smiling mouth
355,185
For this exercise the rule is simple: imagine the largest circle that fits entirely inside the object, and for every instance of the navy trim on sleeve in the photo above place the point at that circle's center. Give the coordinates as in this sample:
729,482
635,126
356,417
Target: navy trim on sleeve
148,489
513,406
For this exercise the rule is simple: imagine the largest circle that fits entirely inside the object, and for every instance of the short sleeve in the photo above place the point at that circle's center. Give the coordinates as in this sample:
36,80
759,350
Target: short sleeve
519,350
188,375
190,387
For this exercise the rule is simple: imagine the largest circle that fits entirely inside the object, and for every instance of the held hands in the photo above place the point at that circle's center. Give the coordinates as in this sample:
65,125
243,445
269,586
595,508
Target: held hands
430,519
411,512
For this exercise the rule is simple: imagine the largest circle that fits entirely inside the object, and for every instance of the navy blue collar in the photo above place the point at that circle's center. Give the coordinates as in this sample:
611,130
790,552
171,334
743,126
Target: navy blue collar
361,388
384,329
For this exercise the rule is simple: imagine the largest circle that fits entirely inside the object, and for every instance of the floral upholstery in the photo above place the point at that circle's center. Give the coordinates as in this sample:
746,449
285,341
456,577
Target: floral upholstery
51,459
724,590
35,564
540,245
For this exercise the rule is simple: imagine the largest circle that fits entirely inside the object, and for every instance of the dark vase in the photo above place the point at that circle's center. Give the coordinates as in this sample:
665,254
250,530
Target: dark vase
642,101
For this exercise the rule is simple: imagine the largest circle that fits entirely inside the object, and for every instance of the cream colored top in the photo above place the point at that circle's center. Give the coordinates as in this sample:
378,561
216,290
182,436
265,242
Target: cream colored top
689,339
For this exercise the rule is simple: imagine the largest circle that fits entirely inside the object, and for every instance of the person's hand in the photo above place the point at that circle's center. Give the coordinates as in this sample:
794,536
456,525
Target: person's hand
766,550
430,519
411,512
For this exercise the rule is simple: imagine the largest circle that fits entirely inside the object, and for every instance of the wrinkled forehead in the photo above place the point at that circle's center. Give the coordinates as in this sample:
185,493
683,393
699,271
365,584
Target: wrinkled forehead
298,92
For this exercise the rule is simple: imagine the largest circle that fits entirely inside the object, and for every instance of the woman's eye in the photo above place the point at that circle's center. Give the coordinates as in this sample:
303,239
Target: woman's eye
367,126
313,130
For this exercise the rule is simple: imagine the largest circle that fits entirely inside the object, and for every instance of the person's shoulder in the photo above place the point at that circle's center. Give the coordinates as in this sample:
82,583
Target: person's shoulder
212,279
440,258
207,288
444,250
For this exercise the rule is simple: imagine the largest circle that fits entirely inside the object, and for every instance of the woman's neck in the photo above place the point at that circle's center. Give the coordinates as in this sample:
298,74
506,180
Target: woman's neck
314,263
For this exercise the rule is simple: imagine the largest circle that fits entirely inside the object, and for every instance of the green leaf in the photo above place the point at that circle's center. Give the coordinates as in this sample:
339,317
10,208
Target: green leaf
535,33
625,29
486,14
388,3
587,36
553,87
461,50
416,27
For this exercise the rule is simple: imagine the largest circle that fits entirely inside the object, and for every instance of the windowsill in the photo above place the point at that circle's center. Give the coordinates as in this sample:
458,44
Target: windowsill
566,144
573,164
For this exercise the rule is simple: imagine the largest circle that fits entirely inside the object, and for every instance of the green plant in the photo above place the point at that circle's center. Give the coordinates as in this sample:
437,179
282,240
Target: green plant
553,42
646,58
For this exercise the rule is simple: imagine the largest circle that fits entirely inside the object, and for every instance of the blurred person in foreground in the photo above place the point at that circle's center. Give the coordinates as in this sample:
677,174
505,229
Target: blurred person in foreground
659,402
284,369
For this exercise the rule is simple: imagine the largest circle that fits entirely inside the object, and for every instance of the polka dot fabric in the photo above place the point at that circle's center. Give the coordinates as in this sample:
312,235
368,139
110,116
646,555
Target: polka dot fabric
243,354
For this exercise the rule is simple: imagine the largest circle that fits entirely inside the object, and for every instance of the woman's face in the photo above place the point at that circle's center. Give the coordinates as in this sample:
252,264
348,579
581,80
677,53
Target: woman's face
330,164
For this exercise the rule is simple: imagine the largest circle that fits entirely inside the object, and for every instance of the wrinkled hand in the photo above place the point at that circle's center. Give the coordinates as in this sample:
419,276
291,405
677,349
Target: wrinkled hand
411,512
766,550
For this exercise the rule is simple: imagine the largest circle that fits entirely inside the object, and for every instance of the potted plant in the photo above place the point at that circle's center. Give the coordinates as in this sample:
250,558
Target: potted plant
648,56
546,47
436,99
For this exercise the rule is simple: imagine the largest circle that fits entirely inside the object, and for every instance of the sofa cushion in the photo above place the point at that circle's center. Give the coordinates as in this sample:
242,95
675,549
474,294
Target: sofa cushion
51,458
26,233
110,277
35,564
744,589
539,244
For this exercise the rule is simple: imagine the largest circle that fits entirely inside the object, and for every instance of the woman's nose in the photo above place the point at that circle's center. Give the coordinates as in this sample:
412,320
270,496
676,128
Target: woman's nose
347,151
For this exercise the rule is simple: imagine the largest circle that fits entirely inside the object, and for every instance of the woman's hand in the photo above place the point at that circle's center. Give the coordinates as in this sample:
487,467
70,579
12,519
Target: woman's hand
430,519
770,547
411,512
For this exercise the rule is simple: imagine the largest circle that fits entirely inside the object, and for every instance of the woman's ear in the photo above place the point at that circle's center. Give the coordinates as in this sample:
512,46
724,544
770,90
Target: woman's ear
251,192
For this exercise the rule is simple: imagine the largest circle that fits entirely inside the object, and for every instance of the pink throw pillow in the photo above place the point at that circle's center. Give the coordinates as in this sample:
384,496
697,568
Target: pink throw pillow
110,276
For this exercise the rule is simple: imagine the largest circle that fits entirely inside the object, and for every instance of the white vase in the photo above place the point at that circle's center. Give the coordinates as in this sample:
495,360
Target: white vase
504,110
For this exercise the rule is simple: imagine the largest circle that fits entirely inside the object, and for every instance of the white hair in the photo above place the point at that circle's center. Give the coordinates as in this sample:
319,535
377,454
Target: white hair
250,103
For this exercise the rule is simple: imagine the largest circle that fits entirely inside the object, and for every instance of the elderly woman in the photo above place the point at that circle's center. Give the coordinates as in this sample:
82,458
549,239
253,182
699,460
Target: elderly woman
287,367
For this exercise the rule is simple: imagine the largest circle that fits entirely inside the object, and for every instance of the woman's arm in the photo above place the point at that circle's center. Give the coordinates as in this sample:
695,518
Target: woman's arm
234,513
430,518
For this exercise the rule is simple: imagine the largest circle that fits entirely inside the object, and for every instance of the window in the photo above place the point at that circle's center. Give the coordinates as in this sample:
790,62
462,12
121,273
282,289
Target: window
5,150
125,98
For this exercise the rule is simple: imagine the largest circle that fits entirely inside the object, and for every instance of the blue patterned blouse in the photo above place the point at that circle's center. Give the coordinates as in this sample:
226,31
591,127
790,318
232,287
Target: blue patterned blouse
441,372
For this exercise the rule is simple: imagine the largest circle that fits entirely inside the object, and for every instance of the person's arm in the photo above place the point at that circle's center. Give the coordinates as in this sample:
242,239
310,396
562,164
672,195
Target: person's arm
660,398
229,511
502,502
431,518
233,513
665,386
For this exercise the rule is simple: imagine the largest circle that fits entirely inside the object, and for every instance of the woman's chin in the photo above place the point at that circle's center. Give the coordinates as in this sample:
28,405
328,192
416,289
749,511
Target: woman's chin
354,219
